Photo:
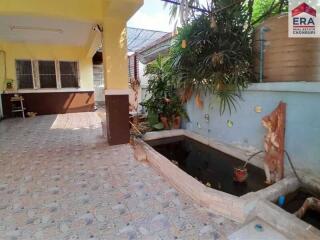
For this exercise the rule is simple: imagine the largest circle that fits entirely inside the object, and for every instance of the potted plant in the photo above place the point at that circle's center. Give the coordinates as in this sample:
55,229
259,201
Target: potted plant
9,84
164,106
175,112
240,174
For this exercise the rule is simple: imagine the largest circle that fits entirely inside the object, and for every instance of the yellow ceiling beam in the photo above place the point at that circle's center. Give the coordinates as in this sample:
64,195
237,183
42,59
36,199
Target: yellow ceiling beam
78,10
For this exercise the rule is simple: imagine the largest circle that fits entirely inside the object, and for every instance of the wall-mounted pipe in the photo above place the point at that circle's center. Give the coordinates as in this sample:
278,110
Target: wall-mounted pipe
4,80
5,65
263,30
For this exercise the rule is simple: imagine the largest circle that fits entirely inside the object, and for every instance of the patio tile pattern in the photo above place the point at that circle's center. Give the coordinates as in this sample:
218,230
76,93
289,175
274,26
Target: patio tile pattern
60,180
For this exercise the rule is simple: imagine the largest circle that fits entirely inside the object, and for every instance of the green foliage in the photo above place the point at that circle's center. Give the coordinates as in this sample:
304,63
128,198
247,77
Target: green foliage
265,8
158,126
153,118
164,99
218,57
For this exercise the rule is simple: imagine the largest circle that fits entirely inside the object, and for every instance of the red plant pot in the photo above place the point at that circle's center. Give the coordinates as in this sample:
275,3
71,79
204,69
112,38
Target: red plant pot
240,175
164,121
176,122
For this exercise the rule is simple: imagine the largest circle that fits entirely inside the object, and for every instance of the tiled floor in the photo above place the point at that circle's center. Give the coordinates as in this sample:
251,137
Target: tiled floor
60,180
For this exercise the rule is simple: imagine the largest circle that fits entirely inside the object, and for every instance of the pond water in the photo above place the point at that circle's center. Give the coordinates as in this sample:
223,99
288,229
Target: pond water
295,200
208,165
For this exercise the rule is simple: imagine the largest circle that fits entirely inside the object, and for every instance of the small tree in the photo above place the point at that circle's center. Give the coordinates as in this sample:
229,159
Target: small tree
213,52
164,103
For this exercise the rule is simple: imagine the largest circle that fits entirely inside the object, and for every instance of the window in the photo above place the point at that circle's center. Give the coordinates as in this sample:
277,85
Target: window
133,67
69,74
47,74
24,73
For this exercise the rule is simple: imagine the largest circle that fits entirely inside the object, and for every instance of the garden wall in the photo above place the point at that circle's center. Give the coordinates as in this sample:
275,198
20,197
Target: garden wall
302,125
287,59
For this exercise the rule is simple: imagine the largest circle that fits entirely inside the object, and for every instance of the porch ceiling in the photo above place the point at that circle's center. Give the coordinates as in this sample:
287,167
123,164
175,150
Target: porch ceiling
79,10
44,30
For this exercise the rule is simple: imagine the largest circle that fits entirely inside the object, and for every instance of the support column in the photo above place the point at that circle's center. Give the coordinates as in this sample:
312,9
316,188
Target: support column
116,80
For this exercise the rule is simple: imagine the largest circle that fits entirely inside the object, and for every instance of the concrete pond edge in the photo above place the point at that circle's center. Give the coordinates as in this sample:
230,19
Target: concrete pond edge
240,209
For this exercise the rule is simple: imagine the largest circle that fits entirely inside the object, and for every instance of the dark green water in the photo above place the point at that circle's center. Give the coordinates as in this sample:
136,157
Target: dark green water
295,200
209,165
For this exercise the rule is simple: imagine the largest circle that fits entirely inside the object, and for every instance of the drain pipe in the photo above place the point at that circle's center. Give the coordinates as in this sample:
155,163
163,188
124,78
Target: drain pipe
4,79
263,30
5,65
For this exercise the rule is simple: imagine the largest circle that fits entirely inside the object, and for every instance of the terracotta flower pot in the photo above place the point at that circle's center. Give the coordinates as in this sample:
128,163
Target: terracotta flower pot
176,124
240,174
164,121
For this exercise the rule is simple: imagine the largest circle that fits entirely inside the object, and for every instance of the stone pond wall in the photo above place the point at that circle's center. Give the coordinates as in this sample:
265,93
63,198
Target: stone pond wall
243,127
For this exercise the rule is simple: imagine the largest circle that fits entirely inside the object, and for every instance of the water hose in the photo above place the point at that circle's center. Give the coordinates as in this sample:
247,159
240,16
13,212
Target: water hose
303,185
253,155
292,167
288,157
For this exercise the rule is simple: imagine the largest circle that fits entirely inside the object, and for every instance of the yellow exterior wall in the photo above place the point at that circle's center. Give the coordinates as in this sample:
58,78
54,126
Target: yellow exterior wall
115,55
113,14
82,10
45,52
115,42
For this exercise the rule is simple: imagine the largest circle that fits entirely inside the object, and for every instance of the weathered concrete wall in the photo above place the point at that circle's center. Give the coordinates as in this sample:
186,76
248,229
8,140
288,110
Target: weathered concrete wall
302,125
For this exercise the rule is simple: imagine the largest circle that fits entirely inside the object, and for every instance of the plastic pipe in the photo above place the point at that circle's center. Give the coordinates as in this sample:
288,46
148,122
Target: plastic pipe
263,30
5,64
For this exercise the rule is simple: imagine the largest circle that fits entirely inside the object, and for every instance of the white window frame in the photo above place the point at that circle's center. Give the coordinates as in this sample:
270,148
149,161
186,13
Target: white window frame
36,75
58,76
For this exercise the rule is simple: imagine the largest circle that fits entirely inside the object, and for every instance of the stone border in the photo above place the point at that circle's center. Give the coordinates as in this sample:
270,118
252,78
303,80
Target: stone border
284,222
230,206
240,209
303,87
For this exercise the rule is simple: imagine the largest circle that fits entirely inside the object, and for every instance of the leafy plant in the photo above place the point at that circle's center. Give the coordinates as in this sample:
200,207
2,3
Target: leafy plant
265,8
163,100
8,84
218,56
213,51
258,9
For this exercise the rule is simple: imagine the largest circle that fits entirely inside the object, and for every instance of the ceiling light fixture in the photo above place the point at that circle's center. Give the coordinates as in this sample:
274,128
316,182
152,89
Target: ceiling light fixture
56,30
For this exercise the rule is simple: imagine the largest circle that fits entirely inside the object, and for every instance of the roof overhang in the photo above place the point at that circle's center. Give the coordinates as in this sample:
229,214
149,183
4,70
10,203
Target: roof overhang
78,10
159,47
61,22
